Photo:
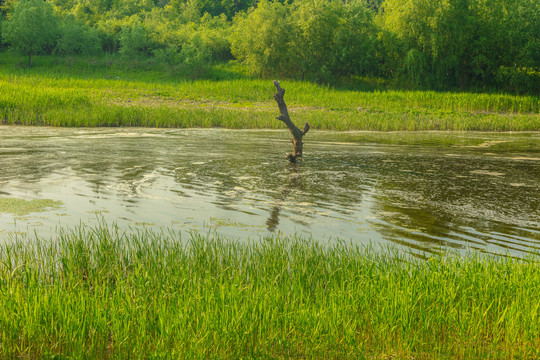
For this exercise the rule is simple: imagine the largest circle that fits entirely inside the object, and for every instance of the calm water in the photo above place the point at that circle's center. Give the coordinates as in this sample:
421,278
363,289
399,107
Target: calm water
422,191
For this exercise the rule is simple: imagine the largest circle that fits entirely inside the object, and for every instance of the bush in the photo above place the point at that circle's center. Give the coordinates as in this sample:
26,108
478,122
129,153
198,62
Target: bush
133,41
333,39
317,39
417,69
169,55
520,80
214,33
78,39
262,40
195,53
1,40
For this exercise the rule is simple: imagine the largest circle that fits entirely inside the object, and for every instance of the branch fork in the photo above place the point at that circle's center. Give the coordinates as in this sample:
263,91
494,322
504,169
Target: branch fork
297,134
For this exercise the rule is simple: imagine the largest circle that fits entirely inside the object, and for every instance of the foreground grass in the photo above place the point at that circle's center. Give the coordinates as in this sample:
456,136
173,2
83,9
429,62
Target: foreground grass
84,92
103,293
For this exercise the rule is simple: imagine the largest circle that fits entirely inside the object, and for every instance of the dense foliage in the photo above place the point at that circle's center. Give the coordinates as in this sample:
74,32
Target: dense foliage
438,44
32,27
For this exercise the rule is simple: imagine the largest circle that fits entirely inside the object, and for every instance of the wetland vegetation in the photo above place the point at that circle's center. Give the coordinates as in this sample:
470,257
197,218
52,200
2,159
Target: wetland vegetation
102,292
160,285
375,280
89,92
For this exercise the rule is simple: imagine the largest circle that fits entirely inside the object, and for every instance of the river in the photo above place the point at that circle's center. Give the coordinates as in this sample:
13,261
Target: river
422,192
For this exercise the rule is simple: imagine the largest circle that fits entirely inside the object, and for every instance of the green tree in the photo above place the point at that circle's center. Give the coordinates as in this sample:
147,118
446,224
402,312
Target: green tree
183,8
32,28
184,11
6,6
319,40
133,40
440,31
126,8
315,22
77,38
262,40
233,7
333,38
451,43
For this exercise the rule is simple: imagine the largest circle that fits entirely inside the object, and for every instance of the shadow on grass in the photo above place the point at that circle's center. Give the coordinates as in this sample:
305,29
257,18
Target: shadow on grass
111,67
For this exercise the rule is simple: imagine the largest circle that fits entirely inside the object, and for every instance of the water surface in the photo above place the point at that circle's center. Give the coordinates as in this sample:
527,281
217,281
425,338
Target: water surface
421,191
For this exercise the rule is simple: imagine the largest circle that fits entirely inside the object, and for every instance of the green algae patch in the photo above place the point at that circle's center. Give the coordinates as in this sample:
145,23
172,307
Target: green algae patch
24,207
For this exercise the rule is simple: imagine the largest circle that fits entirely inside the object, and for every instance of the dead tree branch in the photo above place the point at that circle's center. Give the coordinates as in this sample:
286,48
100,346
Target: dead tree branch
296,132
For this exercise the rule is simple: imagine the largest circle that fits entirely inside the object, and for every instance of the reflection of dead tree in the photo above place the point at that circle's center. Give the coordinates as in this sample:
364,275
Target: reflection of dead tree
295,181
296,132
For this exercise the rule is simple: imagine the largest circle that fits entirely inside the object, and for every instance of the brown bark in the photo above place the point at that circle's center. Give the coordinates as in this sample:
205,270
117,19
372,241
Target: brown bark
297,134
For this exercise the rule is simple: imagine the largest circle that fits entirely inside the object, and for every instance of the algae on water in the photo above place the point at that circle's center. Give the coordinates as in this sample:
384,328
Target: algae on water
24,207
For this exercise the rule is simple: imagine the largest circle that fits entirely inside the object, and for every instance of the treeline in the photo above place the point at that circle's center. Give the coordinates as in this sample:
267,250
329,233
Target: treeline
439,44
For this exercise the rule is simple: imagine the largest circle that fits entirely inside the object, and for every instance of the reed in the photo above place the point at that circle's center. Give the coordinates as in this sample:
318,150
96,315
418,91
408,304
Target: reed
105,94
106,293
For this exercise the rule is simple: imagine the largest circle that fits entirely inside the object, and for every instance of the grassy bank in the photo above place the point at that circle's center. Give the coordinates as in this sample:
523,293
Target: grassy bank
107,92
103,293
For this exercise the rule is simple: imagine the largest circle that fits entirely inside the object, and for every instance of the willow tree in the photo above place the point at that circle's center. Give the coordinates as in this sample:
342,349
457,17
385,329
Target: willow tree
31,28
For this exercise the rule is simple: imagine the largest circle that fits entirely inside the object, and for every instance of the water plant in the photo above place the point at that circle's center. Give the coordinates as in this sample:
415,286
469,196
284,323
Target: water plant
23,207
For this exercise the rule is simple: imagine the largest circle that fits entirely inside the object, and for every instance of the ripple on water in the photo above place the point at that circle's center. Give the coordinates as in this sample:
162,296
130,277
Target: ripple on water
422,192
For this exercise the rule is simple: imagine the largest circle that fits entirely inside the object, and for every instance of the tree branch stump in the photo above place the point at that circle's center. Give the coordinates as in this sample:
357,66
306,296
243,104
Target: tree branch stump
297,134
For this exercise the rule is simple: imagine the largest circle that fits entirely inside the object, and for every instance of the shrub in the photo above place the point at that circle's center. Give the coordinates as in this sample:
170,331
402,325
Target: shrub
262,40
168,55
520,80
133,41
1,41
333,39
77,38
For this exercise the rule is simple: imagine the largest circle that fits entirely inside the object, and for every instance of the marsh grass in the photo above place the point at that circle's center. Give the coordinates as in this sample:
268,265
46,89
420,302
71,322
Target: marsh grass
85,92
105,293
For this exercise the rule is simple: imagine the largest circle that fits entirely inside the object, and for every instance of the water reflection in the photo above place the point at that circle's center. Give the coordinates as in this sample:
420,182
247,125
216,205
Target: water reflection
422,192
440,199
294,182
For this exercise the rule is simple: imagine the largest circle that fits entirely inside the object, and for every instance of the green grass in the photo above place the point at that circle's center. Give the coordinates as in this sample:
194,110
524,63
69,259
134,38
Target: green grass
106,92
105,293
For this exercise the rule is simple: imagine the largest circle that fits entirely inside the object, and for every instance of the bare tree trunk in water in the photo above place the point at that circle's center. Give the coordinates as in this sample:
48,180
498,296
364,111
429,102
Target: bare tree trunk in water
296,132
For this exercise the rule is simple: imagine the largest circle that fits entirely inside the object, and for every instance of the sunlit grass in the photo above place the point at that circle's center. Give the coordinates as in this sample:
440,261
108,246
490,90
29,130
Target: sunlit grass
105,293
88,94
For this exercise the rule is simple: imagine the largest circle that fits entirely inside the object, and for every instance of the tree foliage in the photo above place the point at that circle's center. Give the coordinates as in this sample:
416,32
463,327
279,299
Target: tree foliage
77,38
1,40
438,44
133,40
315,39
262,40
333,38
461,42
32,28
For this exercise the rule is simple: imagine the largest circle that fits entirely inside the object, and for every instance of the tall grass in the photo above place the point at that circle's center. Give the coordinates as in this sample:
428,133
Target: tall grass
60,95
104,293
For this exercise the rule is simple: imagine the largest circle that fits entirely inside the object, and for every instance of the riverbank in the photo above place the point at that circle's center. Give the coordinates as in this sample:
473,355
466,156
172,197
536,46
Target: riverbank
105,293
107,92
